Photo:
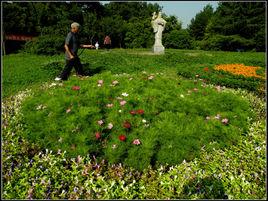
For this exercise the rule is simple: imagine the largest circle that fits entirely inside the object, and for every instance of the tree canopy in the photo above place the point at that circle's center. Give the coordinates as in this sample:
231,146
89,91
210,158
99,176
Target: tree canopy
232,26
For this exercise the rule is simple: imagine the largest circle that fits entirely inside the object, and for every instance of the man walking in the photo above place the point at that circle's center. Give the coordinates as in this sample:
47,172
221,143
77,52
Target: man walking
72,43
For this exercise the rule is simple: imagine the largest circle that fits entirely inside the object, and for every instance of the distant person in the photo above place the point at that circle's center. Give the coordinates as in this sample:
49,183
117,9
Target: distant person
72,43
97,45
107,42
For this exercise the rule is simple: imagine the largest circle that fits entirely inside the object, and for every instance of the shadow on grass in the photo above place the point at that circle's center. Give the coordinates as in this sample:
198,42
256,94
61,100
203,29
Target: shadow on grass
90,70
55,68
206,188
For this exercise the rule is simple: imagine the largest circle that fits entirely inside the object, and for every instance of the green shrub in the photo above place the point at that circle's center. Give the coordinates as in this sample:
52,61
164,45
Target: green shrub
45,45
226,43
178,39
171,115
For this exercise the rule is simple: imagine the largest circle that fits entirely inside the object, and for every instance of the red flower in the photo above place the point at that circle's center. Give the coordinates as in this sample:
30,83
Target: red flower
127,125
122,137
98,135
206,69
133,112
75,88
140,111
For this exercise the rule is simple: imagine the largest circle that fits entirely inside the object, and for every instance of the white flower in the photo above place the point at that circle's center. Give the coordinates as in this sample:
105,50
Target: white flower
182,96
119,111
52,84
218,116
124,94
110,126
144,121
150,77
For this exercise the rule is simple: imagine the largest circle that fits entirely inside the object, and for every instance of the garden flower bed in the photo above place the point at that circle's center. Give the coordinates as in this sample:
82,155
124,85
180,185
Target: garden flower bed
236,172
135,119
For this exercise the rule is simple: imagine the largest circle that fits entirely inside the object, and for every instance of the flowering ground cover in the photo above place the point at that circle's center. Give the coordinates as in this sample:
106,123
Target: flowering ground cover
235,172
134,119
135,130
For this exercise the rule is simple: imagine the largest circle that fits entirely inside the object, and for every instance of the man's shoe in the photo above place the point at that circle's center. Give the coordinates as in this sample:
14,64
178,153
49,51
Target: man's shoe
57,79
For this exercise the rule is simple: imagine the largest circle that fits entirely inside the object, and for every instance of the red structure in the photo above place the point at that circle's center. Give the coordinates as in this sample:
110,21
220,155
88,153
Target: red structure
19,37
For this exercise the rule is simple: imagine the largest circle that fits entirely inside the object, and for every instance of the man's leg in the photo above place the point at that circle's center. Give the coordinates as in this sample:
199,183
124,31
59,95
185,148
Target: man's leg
67,69
78,67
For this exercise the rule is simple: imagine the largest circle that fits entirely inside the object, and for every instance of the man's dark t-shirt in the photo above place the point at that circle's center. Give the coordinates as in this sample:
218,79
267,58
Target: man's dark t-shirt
73,42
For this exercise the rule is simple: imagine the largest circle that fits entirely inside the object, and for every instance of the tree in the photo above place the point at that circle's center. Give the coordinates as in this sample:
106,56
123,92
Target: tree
244,19
198,24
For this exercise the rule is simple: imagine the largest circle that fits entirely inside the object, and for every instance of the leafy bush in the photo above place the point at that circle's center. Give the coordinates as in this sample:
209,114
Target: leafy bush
85,116
226,43
46,45
178,39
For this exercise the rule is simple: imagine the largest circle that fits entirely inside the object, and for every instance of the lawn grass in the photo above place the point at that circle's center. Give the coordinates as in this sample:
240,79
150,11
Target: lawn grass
24,70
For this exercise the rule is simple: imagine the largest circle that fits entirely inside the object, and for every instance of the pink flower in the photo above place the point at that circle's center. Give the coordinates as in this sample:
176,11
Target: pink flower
224,121
75,88
100,81
133,112
136,142
68,110
110,126
195,89
98,135
122,137
110,105
123,102
100,122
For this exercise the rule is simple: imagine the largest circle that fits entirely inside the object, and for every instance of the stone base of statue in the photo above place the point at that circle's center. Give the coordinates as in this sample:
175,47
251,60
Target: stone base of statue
158,49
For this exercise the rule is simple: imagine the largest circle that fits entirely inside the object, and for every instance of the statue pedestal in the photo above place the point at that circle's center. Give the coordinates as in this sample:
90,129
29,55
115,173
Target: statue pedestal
158,49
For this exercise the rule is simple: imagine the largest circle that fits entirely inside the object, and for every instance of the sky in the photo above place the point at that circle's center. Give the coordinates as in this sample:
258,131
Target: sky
183,10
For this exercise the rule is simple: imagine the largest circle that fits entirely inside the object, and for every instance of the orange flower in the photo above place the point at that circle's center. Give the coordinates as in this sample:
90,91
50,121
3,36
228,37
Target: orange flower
239,69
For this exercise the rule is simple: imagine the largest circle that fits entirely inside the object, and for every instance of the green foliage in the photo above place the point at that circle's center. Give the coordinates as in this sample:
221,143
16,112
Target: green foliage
198,24
46,45
23,70
245,19
178,39
236,172
227,43
58,117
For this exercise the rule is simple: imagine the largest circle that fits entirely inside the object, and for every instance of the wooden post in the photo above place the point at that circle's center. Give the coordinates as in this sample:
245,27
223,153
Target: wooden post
4,47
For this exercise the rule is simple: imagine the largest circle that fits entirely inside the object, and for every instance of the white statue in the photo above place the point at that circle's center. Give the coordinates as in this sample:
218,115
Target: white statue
158,24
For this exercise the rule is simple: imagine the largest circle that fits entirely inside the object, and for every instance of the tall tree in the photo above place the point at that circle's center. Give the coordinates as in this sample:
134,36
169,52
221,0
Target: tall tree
245,19
198,24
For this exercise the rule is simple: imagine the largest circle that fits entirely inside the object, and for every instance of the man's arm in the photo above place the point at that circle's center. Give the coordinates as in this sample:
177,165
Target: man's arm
68,51
87,46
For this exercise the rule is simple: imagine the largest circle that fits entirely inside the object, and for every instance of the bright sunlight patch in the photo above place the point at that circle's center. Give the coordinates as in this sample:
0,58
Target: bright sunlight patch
139,119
